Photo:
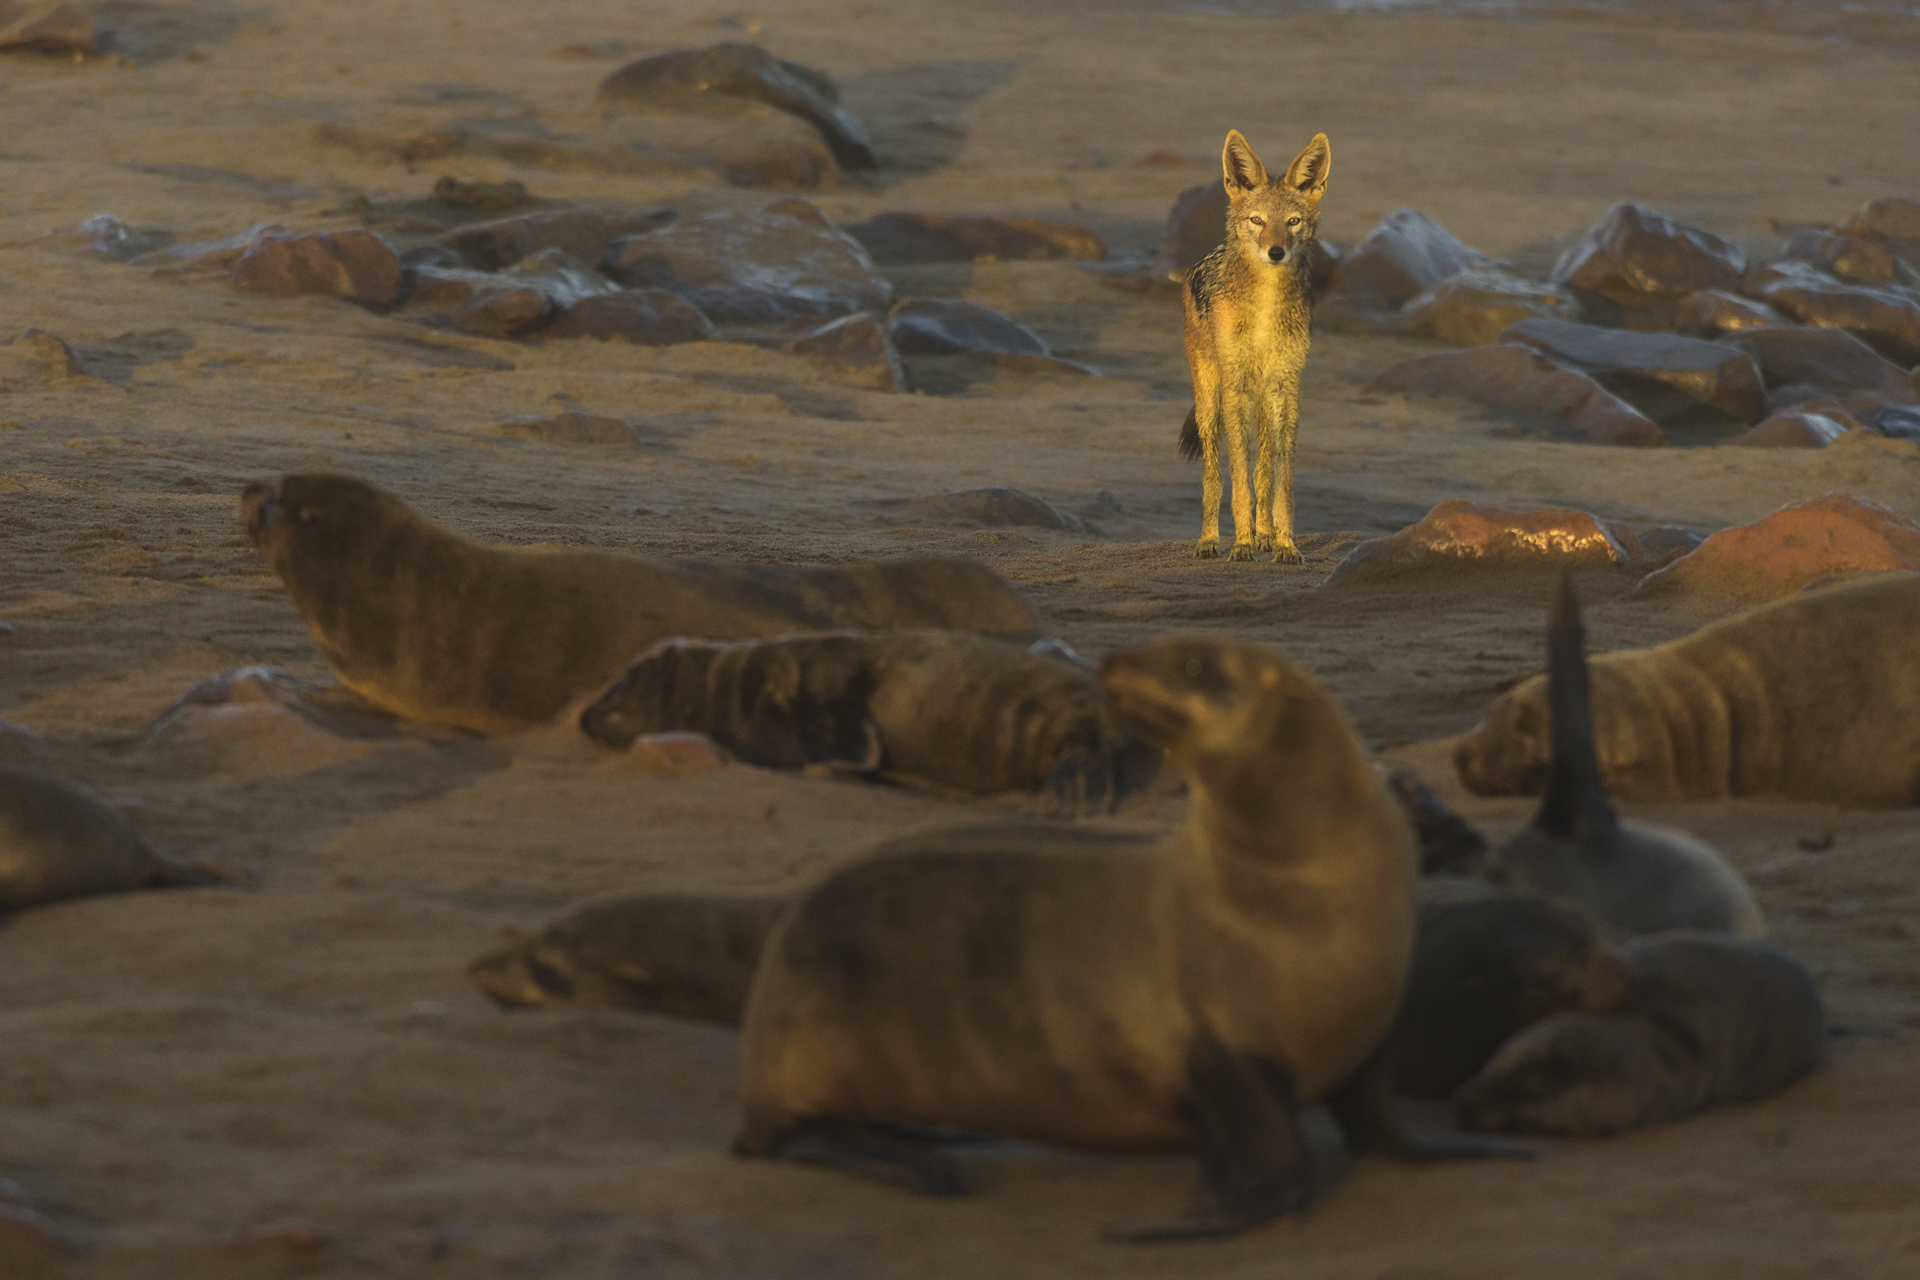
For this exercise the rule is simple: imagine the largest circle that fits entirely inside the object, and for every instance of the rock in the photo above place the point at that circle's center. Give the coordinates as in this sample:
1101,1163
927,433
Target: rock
571,427
493,246
500,311
949,326
444,288
354,265
992,372
1892,224
205,256
1899,422
647,317
749,145
991,508
1831,361
1849,257
1664,543
267,721
1520,381
109,237
753,268
1708,313
1887,321
1635,258
1835,535
689,80
854,349
1459,534
35,357
58,29
1793,429
560,276
1671,379
1476,306
1403,257
930,237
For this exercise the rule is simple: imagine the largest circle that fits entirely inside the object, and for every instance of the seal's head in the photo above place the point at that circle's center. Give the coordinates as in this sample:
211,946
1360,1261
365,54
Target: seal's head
312,513
1508,753
1231,712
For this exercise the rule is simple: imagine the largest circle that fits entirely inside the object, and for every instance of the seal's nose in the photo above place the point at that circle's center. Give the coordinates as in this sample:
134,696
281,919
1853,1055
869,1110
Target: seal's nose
259,507
1277,254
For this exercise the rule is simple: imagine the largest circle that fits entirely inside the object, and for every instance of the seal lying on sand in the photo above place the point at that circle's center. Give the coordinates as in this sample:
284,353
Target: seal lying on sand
1635,879
1489,963
56,842
1710,1021
684,954
425,624
1111,991
972,713
1814,698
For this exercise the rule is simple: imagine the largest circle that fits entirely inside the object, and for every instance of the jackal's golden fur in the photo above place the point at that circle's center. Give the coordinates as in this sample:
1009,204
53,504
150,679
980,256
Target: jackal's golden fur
1247,307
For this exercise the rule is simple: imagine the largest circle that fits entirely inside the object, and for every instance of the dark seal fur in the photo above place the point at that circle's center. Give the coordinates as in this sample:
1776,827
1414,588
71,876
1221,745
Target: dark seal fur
1634,878
1711,1021
1114,991
428,625
57,842
971,713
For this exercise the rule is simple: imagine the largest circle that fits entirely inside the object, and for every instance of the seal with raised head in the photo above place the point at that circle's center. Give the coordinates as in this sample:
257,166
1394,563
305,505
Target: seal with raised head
1816,697
1113,991
1487,964
57,842
1632,877
1710,1021
971,713
426,624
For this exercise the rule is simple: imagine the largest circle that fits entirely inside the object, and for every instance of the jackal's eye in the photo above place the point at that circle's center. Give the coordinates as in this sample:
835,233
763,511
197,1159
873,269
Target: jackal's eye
1294,221
1258,222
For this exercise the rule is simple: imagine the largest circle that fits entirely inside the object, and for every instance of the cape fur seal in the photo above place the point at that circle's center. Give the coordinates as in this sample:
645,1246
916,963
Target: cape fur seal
1487,964
972,713
1634,878
1814,698
56,842
426,624
1114,991
1710,1021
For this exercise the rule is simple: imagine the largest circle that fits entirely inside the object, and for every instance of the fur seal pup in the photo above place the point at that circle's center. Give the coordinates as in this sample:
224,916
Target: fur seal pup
56,842
1710,1021
1487,964
428,625
1816,697
972,713
1114,991
689,955
1634,878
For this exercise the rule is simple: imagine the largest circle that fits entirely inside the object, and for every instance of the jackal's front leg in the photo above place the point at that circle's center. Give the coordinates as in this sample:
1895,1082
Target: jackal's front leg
1263,453
1285,414
1237,417
1206,416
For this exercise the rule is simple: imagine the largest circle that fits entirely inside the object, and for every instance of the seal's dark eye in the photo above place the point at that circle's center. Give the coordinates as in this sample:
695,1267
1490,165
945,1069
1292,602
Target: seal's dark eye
307,516
1194,668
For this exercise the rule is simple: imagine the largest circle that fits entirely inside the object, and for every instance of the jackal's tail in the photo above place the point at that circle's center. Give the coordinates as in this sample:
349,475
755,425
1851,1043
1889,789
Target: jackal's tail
1190,437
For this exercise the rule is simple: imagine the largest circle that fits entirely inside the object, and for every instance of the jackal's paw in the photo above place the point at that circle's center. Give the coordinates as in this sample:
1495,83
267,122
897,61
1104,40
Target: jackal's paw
1241,551
1206,549
1263,543
1286,553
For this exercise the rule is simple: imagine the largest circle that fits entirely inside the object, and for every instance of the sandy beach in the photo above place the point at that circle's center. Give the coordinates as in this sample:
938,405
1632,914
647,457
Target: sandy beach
294,1076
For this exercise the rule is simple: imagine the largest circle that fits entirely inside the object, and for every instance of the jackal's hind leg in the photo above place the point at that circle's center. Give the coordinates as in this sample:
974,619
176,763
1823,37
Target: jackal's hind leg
1206,413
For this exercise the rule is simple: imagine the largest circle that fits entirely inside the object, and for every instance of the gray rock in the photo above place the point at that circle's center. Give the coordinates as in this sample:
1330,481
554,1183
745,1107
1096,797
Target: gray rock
689,79
1793,429
34,358
899,238
854,349
1886,319
1636,259
500,311
58,29
354,265
1477,306
1671,379
1403,257
753,268
647,317
1830,361
1530,387
494,246
1850,258
1708,313
1891,223
950,326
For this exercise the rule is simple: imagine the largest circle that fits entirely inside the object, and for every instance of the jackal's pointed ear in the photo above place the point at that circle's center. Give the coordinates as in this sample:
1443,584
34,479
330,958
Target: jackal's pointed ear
1244,172
1308,172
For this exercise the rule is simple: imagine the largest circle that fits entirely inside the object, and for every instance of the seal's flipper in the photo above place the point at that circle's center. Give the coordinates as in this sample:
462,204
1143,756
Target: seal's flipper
1363,1106
871,1153
1254,1163
1575,805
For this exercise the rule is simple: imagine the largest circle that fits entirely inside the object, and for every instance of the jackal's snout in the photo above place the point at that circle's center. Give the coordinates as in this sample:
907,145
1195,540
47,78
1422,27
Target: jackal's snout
1277,254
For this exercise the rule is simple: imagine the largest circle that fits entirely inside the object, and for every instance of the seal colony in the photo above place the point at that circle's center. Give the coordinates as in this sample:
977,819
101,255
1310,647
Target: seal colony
431,626
1635,879
972,713
1814,698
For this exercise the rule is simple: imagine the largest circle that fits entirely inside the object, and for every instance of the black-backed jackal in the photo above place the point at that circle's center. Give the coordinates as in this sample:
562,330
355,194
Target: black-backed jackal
1247,308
